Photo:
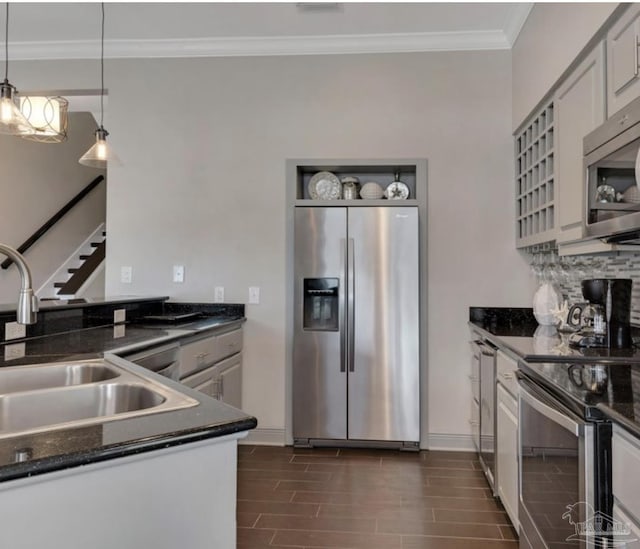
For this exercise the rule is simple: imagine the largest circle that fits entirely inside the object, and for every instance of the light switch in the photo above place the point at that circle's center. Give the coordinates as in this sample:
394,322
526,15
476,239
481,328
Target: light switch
178,273
218,295
254,294
126,274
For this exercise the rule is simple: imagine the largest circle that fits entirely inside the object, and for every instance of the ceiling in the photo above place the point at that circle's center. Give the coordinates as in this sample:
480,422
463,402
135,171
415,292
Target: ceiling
71,30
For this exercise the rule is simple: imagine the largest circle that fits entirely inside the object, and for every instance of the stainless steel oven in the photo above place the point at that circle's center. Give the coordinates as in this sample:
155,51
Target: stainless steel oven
612,167
564,471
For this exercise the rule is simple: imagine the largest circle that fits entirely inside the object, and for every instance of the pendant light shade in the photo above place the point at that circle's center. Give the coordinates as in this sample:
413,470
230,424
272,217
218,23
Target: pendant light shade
12,121
47,115
100,154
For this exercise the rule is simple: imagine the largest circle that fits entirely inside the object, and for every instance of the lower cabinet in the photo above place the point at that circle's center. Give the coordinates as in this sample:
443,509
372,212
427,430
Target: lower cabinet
507,481
213,366
507,453
625,462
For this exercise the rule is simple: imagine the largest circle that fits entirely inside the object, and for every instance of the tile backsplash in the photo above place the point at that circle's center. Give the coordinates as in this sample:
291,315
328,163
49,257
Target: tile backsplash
613,265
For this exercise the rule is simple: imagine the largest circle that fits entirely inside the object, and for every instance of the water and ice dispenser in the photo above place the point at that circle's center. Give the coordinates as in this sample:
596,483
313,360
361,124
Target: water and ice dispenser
320,304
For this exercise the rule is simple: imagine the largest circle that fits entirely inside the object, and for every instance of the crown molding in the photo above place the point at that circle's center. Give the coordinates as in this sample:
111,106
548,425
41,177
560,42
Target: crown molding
515,21
260,46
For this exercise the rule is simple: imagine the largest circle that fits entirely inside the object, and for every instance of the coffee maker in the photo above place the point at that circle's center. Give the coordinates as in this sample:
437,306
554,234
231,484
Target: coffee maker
608,322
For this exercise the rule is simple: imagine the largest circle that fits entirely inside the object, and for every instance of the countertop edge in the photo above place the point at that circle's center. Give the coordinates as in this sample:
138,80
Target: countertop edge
68,461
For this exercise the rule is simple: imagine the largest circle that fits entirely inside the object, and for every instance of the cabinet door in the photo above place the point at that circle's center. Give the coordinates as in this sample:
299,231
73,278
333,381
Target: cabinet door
623,81
628,536
507,453
230,381
580,108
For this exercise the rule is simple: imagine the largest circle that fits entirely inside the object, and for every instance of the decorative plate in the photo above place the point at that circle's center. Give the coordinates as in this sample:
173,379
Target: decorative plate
397,191
325,186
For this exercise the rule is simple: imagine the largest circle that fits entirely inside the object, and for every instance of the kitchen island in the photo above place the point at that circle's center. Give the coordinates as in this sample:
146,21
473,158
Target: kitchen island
155,480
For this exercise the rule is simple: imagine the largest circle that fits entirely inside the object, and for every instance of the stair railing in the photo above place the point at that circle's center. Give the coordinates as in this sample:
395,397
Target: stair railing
54,219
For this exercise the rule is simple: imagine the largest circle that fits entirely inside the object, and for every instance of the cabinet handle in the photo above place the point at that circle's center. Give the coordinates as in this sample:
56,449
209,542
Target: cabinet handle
201,355
474,422
624,119
507,376
473,378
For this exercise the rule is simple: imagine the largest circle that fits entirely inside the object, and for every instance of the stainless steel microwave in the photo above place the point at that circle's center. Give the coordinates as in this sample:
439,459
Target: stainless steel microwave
612,167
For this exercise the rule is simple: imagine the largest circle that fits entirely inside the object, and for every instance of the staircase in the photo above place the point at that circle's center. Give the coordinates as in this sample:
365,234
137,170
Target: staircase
79,270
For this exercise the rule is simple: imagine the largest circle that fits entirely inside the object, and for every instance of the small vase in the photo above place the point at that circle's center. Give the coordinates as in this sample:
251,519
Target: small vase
546,301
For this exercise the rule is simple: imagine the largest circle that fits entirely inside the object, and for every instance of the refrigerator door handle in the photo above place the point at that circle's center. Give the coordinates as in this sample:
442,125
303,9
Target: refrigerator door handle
351,304
344,355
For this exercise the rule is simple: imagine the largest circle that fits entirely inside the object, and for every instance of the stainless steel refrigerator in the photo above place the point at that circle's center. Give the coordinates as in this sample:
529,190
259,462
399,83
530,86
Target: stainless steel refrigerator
356,325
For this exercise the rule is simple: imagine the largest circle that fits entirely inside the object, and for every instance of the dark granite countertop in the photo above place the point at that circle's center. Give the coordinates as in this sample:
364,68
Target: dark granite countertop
517,331
599,383
69,447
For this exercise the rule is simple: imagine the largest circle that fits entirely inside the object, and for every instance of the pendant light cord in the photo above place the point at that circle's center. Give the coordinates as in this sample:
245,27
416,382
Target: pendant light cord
101,66
6,44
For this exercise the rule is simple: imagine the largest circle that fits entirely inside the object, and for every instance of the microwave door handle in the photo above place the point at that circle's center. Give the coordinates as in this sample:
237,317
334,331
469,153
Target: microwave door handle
551,413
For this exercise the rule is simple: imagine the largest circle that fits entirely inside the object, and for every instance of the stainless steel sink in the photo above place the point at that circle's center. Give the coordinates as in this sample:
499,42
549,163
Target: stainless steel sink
53,396
30,378
26,411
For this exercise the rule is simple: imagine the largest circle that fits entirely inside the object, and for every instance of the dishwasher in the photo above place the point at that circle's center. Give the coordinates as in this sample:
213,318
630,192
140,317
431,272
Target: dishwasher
486,357
163,360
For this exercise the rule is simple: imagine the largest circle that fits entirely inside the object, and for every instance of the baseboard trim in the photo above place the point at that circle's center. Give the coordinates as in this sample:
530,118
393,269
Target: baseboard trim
436,441
265,437
459,443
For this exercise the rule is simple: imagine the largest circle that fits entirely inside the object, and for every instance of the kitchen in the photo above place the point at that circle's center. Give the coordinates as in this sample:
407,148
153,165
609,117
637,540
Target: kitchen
222,167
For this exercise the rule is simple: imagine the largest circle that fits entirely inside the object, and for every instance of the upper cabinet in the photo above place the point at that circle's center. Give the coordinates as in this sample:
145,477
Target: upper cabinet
580,108
535,216
623,72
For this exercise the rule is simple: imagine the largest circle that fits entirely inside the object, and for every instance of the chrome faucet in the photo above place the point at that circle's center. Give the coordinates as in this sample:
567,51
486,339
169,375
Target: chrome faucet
27,301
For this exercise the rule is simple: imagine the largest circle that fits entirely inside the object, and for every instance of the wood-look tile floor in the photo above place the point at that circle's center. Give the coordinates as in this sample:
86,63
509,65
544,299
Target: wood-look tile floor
366,499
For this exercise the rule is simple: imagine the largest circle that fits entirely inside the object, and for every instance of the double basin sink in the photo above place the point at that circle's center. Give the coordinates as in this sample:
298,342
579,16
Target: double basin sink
42,397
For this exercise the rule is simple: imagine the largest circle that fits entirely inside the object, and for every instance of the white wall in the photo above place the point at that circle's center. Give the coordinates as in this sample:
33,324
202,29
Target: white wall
551,38
204,143
37,180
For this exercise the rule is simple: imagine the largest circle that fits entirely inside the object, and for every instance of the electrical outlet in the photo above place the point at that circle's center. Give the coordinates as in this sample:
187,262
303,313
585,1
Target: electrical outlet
14,351
126,274
13,330
254,294
218,295
178,273
119,315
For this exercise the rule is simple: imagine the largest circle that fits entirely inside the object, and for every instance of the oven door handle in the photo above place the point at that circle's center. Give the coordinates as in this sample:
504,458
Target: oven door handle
553,414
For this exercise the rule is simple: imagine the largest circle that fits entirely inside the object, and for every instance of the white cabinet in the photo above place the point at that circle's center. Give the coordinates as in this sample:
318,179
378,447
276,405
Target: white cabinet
535,179
580,108
507,436
625,462
623,79
213,366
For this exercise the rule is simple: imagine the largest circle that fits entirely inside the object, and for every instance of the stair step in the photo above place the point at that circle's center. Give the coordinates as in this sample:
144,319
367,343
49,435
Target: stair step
71,271
58,284
84,256
95,244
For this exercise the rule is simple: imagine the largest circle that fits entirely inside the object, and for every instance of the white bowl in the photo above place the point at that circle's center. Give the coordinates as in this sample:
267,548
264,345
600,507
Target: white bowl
371,191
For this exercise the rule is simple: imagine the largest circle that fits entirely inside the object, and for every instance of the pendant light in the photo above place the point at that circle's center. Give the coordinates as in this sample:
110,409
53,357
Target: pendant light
12,121
100,154
47,115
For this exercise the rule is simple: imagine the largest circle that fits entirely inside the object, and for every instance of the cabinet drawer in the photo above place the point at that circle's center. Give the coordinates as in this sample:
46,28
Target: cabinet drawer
197,355
625,462
506,372
205,381
227,344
